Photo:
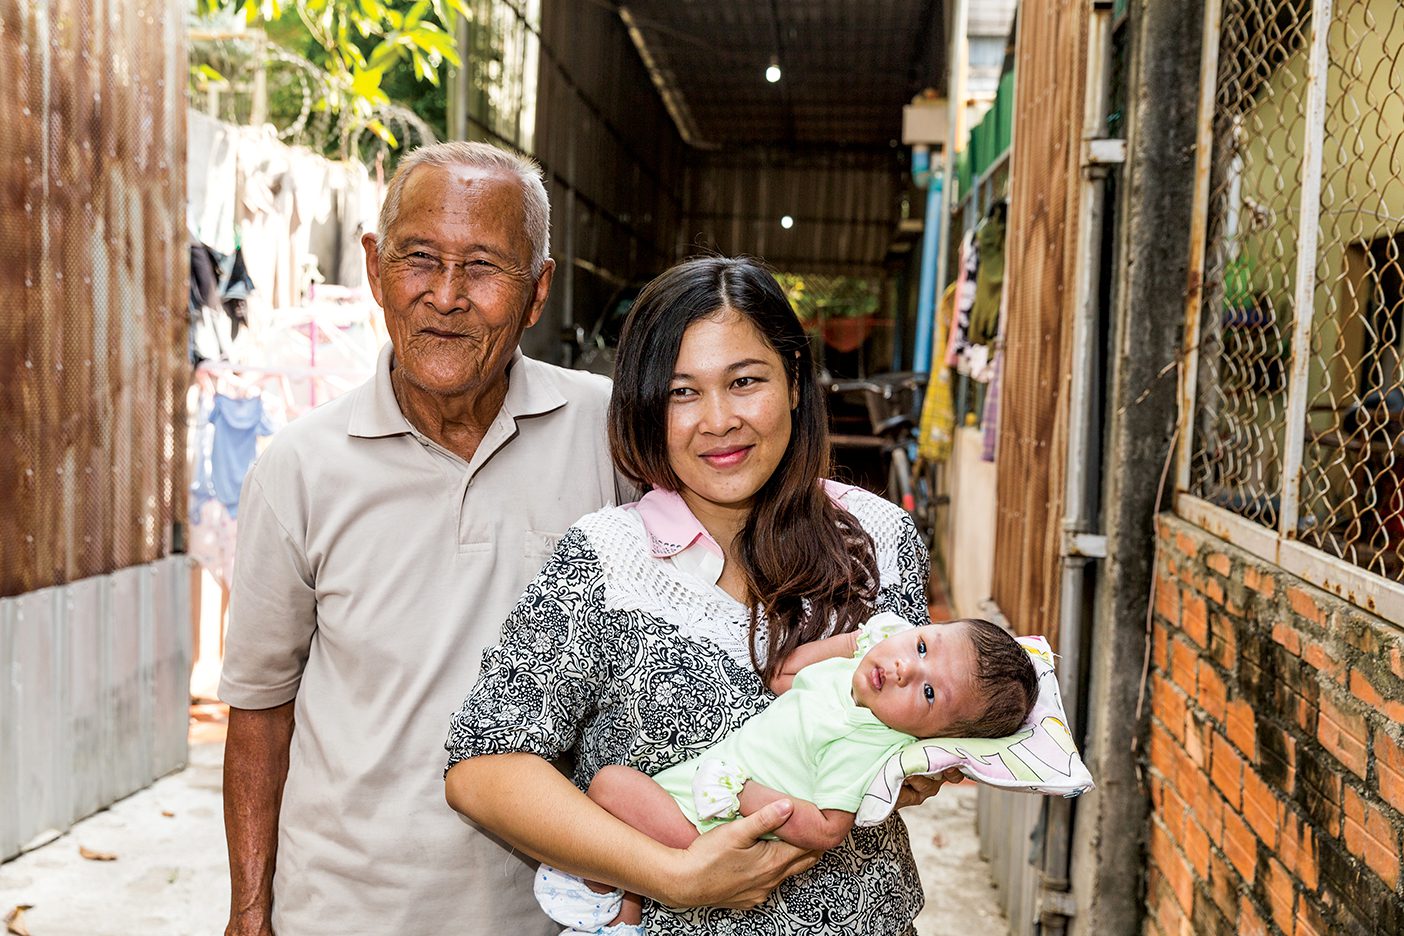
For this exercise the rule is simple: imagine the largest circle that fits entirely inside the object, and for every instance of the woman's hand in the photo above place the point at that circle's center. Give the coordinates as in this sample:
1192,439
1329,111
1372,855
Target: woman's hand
731,867
916,790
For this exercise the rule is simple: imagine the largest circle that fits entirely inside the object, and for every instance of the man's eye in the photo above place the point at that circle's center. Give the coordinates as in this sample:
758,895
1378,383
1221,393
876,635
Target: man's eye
930,693
921,647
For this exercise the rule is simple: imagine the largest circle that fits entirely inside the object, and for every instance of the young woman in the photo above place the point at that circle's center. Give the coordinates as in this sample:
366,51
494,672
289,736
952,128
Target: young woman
651,632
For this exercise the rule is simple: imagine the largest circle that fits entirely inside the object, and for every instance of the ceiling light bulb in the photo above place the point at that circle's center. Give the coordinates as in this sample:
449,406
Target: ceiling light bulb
772,73
787,222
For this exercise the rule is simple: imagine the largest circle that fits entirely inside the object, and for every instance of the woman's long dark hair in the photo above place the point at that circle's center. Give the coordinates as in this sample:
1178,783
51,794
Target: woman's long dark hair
808,564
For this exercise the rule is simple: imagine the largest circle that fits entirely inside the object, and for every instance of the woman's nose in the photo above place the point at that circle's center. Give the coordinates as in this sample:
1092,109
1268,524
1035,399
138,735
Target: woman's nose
718,416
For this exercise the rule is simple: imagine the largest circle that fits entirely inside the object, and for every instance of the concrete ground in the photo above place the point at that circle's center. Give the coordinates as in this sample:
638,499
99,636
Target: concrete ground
169,877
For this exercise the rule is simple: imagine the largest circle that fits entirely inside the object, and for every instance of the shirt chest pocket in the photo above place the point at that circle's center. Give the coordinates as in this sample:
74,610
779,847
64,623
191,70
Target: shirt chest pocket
537,548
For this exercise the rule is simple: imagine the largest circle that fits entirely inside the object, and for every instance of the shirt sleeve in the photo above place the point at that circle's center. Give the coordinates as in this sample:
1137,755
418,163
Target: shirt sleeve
272,606
845,767
541,683
907,595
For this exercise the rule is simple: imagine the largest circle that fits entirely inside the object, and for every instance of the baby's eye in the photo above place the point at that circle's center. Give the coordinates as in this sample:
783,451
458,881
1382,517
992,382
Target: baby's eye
930,693
921,649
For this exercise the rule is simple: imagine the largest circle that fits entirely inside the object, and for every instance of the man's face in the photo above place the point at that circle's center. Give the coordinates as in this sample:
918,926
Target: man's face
454,277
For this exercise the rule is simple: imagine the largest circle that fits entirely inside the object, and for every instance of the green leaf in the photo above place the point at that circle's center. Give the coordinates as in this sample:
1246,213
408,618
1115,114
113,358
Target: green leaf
382,131
365,83
416,14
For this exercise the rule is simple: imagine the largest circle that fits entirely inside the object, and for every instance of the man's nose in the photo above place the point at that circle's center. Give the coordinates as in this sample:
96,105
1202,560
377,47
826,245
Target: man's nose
449,290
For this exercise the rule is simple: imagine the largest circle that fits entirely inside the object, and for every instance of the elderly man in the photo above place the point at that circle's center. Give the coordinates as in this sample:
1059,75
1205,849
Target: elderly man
382,540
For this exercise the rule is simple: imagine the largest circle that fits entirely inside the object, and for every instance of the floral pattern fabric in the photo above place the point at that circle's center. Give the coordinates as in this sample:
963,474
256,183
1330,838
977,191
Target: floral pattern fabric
578,669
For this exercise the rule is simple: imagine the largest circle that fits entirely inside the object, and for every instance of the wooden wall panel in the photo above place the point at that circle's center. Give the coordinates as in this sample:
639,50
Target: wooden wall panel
1040,252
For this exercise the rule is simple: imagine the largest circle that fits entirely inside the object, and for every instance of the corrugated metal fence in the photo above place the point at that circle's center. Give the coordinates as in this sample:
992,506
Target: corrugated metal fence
94,668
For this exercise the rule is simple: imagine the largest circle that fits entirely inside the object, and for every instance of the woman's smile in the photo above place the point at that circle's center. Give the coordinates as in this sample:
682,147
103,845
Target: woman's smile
727,457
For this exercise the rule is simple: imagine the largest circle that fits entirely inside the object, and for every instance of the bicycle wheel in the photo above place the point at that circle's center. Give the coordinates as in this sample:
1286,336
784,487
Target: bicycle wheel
899,480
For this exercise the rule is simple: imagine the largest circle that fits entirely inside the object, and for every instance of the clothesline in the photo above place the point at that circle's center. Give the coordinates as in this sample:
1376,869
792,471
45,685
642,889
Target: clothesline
274,371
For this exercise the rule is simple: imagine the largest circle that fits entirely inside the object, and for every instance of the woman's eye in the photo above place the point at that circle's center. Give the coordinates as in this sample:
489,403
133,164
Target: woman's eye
921,647
930,693
679,392
742,382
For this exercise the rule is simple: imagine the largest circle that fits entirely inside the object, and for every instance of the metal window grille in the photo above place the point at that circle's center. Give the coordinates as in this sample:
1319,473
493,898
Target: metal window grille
1293,380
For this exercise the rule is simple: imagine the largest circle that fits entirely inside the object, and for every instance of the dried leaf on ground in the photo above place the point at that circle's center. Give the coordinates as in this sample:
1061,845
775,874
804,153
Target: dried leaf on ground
94,855
14,920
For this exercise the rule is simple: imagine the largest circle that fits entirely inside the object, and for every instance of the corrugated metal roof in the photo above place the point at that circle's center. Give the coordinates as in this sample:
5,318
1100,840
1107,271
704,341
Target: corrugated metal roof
847,66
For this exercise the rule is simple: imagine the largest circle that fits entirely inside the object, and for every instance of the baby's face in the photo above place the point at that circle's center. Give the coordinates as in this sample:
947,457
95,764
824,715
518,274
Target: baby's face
921,681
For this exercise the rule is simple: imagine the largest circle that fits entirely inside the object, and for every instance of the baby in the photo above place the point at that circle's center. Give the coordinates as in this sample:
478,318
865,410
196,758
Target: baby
845,705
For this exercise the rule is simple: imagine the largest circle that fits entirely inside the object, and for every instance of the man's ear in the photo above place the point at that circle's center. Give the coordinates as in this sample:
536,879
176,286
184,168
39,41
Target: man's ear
368,244
543,289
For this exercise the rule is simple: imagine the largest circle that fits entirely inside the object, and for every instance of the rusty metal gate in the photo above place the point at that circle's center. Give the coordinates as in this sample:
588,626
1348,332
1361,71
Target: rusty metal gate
94,643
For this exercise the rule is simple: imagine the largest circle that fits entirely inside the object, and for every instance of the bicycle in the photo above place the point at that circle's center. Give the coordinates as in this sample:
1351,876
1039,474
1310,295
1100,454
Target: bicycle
892,400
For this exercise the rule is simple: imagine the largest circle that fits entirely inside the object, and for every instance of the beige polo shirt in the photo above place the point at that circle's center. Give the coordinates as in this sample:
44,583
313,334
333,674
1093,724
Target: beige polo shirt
373,567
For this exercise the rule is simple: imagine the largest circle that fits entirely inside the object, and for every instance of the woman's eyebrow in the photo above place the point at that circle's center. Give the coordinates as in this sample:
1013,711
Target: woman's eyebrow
748,362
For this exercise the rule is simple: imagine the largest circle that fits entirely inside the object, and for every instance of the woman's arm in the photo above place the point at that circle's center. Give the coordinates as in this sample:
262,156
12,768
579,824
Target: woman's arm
840,645
524,800
808,826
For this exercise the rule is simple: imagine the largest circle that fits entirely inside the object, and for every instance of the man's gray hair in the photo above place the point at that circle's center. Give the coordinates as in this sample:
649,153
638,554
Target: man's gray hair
536,210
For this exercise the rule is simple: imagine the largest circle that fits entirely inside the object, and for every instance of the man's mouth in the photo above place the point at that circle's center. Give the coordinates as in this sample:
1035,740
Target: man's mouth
439,333
726,457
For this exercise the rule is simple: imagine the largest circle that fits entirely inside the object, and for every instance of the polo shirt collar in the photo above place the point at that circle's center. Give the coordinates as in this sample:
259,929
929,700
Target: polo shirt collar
531,391
670,525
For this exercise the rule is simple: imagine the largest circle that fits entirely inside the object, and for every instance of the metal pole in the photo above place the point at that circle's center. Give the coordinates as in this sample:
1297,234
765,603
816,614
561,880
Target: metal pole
955,97
1199,227
1304,306
926,288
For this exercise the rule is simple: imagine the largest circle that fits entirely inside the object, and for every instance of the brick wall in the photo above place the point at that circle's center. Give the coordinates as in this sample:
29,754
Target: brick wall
1276,755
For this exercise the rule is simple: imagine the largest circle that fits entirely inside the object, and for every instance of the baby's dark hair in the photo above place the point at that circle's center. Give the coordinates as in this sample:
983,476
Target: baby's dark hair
1004,675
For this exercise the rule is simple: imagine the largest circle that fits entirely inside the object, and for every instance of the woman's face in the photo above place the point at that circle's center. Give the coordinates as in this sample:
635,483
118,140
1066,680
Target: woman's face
728,413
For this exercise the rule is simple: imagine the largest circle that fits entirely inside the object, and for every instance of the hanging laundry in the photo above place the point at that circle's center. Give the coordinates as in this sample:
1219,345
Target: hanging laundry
938,409
966,267
989,279
237,426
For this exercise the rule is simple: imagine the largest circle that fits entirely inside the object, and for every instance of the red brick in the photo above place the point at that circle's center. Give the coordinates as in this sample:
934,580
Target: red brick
1160,656
1241,727
1310,921
1188,548
1365,691
1226,770
1166,916
1214,591
1249,923
1303,603
1317,656
1194,618
1287,636
1219,563
1173,815
1261,808
1183,664
1396,661
1239,845
1162,758
1369,836
1168,704
1212,695
1281,895
1196,844
1389,770
1256,580
1174,868
1297,849
1223,641
1223,886
1214,808
1343,734
1197,732
1167,600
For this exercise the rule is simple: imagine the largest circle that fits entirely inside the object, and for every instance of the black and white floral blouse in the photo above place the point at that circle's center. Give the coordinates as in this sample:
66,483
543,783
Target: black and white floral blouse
624,650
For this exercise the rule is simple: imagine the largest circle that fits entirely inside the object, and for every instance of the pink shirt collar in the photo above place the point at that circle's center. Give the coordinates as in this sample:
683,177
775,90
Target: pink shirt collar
672,528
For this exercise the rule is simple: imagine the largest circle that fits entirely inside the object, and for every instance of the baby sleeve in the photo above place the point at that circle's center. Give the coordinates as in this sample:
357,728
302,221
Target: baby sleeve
541,683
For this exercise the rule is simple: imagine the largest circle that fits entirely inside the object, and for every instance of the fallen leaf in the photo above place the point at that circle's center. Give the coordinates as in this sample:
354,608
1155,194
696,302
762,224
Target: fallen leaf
168,814
14,920
92,855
